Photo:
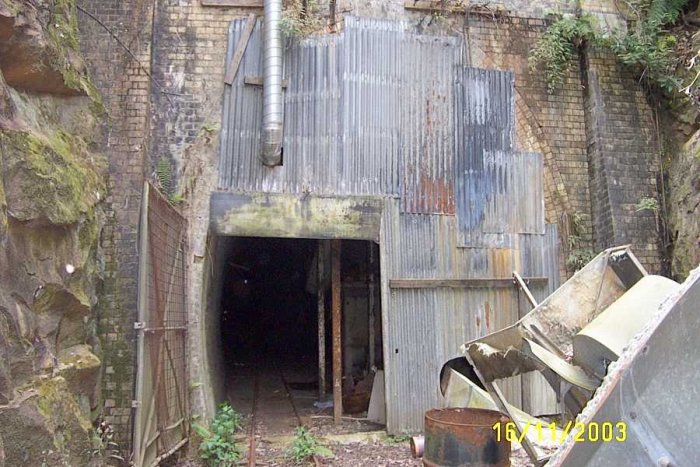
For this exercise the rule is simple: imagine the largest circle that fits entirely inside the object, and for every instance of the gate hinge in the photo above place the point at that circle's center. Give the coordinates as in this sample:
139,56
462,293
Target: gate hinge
135,404
139,325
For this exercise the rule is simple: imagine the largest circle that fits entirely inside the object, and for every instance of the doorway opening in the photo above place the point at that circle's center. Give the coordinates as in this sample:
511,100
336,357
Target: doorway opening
276,335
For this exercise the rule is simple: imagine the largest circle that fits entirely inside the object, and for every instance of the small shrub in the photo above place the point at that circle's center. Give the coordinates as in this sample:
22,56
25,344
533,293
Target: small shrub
301,19
579,257
305,446
646,46
559,45
647,204
218,447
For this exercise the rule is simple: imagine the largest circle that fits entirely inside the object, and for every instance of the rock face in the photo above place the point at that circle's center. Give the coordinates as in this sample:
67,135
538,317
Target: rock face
684,181
51,184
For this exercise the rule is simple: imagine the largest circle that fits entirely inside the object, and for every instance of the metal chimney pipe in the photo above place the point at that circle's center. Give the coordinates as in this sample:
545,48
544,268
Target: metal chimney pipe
273,102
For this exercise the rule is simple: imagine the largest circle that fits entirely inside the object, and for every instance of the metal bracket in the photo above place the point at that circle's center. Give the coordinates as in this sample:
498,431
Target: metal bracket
135,404
139,325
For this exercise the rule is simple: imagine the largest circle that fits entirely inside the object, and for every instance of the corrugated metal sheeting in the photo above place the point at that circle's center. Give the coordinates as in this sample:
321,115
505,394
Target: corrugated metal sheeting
378,110
349,128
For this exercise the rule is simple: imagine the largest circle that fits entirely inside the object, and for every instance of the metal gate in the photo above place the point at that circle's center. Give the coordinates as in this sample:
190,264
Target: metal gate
161,412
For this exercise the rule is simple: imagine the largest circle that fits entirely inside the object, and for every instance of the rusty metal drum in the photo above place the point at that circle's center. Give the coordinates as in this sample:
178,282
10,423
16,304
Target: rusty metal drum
464,437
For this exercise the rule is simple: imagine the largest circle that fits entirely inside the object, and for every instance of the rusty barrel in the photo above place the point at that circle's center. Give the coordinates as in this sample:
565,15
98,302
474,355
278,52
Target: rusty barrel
464,437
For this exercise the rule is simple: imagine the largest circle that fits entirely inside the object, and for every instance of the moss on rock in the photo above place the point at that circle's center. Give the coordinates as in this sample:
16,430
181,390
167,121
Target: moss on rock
45,424
48,177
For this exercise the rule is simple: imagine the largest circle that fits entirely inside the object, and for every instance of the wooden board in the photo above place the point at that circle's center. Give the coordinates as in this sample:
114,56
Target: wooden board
232,69
461,283
238,3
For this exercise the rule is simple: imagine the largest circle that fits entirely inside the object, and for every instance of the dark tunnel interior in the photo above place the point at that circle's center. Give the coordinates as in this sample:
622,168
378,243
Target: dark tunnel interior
267,310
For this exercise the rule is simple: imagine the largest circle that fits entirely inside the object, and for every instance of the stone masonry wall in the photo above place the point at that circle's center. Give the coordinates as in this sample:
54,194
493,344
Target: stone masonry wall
624,158
122,78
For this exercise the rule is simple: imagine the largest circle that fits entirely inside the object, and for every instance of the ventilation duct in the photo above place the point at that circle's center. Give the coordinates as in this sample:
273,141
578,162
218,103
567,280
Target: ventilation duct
273,102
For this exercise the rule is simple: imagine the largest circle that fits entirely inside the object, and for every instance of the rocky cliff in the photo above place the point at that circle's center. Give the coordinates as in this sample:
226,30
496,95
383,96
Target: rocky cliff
52,180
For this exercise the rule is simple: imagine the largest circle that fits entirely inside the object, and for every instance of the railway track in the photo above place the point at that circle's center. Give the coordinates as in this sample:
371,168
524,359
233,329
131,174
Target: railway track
253,431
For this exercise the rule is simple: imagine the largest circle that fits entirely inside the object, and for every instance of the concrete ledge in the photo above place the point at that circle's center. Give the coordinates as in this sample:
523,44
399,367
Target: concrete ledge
295,216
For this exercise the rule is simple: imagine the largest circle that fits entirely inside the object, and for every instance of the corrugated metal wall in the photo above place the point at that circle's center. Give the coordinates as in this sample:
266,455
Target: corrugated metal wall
378,110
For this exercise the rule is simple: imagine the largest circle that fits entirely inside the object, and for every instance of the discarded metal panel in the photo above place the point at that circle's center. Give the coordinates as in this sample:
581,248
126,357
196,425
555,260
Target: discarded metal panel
647,398
604,338
460,391
611,292
161,418
464,436
556,320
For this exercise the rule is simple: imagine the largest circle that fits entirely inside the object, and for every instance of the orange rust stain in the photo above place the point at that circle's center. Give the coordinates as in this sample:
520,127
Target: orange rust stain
487,307
438,195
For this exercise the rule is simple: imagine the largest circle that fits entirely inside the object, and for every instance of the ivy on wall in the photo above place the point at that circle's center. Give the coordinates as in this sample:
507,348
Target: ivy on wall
646,46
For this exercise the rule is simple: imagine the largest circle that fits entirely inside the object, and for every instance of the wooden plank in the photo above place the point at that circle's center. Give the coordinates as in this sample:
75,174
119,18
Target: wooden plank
523,286
237,3
232,69
258,81
321,297
337,349
489,283
371,308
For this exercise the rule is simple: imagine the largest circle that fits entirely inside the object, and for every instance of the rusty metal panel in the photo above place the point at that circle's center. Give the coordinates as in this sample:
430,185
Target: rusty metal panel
484,122
162,396
427,113
529,193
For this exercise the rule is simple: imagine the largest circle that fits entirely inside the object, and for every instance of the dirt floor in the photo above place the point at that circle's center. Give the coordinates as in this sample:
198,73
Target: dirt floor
276,401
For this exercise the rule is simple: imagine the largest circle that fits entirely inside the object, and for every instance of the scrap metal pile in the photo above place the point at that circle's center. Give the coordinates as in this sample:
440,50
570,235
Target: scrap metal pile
573,339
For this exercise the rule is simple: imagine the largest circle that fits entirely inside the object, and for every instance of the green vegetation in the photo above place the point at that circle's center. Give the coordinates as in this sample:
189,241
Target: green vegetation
646,46
558,48
398,439
301,18
647,204
165,182
578,256
305,446
218,447
55,173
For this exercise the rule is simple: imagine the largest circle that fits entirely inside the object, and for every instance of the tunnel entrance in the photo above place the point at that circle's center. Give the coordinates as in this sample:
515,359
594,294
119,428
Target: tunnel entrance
277,358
